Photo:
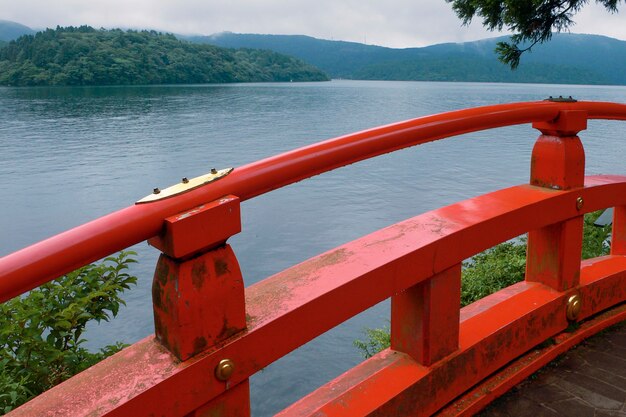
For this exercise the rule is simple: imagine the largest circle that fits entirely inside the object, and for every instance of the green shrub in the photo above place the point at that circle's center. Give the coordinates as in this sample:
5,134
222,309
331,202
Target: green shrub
40,332
495,269
377,340
595,238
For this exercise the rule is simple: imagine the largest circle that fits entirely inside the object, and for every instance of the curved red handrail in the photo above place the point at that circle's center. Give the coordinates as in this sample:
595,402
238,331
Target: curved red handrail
48,259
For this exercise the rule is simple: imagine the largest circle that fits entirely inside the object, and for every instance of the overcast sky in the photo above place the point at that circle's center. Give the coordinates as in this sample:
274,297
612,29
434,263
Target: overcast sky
394,23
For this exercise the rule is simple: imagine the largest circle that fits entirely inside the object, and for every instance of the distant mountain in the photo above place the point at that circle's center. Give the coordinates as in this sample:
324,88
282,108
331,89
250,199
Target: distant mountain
87,56
12,30
567,58
340,59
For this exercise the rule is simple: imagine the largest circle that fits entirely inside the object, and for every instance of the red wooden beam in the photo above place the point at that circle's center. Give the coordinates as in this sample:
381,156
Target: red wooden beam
499,383
494,331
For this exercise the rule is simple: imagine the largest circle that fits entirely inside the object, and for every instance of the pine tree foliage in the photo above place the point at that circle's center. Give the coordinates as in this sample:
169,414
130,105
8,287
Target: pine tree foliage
531,21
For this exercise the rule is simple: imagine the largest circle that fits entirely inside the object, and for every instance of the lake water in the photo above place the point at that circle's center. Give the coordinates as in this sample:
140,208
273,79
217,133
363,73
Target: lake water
69,155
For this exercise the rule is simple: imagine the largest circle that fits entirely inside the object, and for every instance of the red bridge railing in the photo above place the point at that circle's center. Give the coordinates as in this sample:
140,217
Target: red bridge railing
212,334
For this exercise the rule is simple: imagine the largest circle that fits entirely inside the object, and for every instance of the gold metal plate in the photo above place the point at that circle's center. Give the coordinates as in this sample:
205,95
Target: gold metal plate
185,185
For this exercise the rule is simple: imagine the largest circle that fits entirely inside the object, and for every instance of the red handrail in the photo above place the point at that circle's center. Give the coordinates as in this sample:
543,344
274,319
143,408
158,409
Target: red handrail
48,259
212,334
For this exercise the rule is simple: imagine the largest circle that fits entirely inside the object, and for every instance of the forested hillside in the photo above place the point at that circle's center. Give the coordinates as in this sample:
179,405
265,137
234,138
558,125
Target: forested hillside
567,58
86,56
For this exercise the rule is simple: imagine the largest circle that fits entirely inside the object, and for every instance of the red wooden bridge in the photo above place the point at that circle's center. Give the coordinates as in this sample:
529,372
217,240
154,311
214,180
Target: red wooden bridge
212,334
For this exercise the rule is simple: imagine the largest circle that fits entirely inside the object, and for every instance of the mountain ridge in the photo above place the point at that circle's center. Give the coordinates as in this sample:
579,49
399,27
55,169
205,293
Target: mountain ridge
12,30
567,58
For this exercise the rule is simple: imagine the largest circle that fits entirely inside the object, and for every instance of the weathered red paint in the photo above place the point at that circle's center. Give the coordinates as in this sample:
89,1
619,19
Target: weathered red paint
476,399
199,229
438,351
510,320
198,302
603,282
557,162
425,317
487,341
553,254
198,290
233,403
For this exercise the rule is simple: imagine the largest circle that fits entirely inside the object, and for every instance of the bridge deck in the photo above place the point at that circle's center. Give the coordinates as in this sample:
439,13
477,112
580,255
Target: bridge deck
588,381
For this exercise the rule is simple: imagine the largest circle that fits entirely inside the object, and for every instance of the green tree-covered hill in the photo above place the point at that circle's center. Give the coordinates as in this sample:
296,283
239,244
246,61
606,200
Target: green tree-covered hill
86,56
567,58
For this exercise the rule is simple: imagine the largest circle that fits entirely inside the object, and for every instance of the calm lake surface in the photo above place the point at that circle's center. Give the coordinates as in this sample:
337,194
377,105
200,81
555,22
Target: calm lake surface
69,155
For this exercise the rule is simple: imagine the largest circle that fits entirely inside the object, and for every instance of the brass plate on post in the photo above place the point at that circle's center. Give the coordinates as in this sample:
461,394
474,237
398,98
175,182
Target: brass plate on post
185,185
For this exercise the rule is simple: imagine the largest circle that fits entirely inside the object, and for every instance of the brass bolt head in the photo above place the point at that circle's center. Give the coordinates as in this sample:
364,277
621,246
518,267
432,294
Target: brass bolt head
574,304
579,203
224,370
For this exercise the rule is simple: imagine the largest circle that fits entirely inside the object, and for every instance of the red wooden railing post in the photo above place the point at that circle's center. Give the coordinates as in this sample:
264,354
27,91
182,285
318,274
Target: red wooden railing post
558,163
198,293
425,317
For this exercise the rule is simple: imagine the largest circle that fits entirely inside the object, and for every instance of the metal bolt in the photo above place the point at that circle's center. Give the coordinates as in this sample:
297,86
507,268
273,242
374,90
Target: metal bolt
574,304
579,203
224,370
213,171
185,180
156,191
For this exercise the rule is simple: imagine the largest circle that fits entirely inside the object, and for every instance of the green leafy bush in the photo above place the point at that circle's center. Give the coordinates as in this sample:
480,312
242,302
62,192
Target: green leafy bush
495,269
377,340
40,332
492,270
595,238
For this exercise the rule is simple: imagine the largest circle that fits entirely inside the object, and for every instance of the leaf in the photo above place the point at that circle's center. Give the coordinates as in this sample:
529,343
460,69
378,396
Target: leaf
509,54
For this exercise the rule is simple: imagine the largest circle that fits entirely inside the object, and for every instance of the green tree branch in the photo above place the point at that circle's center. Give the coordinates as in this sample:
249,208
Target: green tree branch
531,21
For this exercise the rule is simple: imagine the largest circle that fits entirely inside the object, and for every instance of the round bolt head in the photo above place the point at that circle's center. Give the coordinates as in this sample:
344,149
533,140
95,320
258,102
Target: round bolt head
185,180
156,191
579,203
574,305
224,370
